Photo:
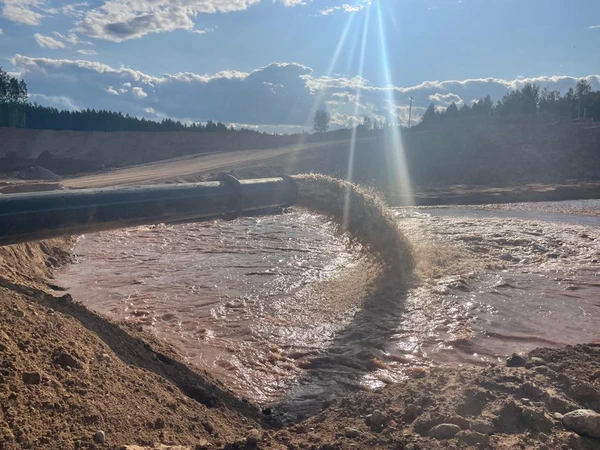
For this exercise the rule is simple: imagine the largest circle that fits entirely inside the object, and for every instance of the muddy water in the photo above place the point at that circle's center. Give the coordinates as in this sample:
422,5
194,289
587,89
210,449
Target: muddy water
227,294
285,314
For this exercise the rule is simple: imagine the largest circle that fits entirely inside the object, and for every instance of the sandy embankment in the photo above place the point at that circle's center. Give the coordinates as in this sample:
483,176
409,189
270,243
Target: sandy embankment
469,161
67,373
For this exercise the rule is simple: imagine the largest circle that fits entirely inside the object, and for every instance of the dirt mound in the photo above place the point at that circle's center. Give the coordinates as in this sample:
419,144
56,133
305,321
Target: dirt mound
498,407
66,373
37,173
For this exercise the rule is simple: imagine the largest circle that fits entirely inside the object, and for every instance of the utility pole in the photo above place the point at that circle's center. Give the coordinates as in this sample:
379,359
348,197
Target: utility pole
409,111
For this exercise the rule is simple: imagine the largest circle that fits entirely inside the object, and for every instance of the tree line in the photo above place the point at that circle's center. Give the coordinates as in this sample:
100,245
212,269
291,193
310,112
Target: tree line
13,100
322,120
48,118
581,102
17,111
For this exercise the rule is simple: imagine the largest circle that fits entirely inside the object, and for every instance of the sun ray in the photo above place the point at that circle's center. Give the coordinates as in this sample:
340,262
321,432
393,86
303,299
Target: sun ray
320,94
350,59
352,149
398,169
334,60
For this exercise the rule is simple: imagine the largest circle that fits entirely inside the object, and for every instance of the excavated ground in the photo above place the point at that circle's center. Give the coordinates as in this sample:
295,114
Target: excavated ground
66,373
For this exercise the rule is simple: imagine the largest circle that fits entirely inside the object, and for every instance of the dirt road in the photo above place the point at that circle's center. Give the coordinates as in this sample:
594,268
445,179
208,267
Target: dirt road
189,165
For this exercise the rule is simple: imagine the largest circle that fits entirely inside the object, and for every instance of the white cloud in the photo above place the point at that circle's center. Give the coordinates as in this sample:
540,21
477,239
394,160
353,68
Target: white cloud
48,42
405,112
354,83
57,101
346,7
352,8
58,40
22,11
445,99
375,99
1,32
328,11
76,10
138,92
86,51
119,20
203,31
228,96
355,8
593,27
293,2
71,38
278,95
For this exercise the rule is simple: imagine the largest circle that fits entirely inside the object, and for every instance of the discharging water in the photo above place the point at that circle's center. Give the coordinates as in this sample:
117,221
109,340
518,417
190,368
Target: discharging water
279,309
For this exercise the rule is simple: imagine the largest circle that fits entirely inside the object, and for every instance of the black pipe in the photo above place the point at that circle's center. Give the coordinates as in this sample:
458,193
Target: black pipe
42,215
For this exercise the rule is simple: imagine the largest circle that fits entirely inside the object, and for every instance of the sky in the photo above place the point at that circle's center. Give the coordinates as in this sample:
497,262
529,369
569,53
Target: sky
270,64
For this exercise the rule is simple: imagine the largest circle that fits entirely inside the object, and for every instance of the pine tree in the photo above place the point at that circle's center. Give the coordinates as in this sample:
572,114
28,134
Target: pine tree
322,120
429,115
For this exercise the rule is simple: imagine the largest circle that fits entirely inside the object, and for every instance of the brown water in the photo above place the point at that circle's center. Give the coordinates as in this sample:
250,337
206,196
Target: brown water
280,309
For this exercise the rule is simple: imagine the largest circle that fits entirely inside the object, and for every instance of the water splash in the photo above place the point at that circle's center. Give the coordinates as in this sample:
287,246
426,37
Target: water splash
369,223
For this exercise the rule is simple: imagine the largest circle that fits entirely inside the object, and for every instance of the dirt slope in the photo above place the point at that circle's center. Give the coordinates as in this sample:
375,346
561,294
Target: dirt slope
470,151
126,147
191,165
66,151
66,373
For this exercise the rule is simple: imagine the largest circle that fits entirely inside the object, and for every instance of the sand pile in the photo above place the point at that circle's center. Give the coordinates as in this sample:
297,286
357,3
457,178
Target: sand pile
520,404
67,373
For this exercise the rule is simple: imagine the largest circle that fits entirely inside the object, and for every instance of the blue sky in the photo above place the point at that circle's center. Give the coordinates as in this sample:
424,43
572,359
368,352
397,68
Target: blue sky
269,63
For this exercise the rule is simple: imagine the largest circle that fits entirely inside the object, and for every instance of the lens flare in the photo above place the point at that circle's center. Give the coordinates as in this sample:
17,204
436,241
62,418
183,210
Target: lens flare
320,95
395,155
352,150
334,60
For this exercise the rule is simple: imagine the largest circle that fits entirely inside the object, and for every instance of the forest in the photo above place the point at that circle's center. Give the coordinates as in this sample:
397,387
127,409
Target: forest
581,102
17,111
